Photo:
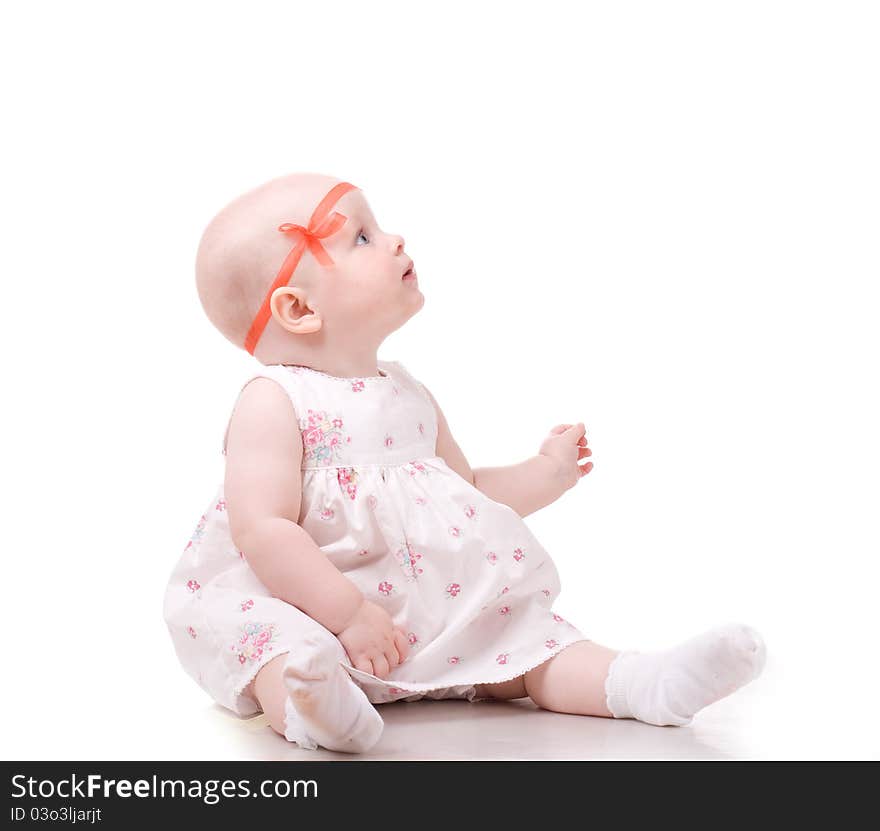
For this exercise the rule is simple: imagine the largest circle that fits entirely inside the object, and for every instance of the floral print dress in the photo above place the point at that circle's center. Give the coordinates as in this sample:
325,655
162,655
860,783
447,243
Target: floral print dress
460,573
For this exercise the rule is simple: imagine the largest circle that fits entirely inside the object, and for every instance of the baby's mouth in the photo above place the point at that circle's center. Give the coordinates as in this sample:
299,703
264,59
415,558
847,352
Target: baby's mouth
409,274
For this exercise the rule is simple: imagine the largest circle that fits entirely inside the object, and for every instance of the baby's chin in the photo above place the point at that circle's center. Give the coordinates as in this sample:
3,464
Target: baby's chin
409,304
413,296
415,301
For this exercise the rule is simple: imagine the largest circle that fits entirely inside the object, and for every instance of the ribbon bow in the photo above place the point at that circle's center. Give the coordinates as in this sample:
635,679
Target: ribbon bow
314,236
320,226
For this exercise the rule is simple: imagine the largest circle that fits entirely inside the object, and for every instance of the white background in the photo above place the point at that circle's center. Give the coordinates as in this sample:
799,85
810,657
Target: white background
658,218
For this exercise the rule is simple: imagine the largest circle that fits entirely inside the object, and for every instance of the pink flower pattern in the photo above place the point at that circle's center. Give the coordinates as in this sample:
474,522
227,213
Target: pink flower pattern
255,639
407,556
322,437
348,478
386,588
452,590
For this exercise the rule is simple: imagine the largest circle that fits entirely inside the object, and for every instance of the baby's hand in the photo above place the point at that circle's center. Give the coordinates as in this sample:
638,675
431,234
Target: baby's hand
373,643
567,445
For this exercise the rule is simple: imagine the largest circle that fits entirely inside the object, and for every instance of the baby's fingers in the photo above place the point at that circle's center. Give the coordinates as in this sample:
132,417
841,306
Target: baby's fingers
380,666
576,433
364,665
402,644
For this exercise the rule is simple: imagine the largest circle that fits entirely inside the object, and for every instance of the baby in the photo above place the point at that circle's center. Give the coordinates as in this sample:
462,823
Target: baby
352,556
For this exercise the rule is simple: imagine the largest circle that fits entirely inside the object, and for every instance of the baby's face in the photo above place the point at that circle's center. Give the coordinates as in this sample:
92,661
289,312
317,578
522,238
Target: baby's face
365,290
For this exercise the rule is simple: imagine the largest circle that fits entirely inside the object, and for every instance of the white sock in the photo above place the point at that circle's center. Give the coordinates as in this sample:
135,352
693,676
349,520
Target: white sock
324,706
669,687
294,729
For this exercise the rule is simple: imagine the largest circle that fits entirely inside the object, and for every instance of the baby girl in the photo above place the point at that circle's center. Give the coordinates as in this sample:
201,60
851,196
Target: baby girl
352,556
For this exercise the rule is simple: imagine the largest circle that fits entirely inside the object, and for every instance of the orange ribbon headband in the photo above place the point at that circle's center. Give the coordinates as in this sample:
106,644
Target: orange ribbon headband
320,227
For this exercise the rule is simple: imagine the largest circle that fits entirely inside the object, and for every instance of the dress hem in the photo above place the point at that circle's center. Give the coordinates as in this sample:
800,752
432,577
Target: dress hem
430,686
409,688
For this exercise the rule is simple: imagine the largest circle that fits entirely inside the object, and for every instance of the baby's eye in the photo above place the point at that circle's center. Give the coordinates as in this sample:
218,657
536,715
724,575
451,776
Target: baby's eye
362,234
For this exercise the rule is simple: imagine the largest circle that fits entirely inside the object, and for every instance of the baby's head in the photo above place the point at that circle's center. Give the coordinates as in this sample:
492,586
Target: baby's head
342,307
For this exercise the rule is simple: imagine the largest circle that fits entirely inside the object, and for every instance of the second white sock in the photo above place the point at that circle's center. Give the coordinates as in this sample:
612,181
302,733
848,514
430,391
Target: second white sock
324,706
670,686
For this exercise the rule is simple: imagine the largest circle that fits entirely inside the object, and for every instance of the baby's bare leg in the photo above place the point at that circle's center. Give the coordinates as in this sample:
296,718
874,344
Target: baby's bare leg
269,691
572,681
515,688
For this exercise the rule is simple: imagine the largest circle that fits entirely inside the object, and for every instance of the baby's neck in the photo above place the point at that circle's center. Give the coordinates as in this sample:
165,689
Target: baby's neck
348,360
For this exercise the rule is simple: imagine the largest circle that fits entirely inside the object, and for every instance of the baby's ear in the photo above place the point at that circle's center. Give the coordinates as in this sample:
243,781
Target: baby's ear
291,311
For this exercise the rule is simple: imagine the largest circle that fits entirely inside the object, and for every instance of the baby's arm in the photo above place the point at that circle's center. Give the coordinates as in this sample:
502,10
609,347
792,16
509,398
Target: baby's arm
263,490
527,486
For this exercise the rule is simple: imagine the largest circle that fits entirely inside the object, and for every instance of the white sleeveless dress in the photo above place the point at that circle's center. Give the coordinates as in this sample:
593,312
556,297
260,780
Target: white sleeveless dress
462,574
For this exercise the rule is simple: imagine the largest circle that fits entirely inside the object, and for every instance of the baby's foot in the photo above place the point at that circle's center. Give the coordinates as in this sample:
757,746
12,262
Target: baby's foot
669,687
324,706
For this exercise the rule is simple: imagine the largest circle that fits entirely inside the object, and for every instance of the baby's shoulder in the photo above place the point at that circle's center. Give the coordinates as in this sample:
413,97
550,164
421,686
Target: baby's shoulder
263,406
